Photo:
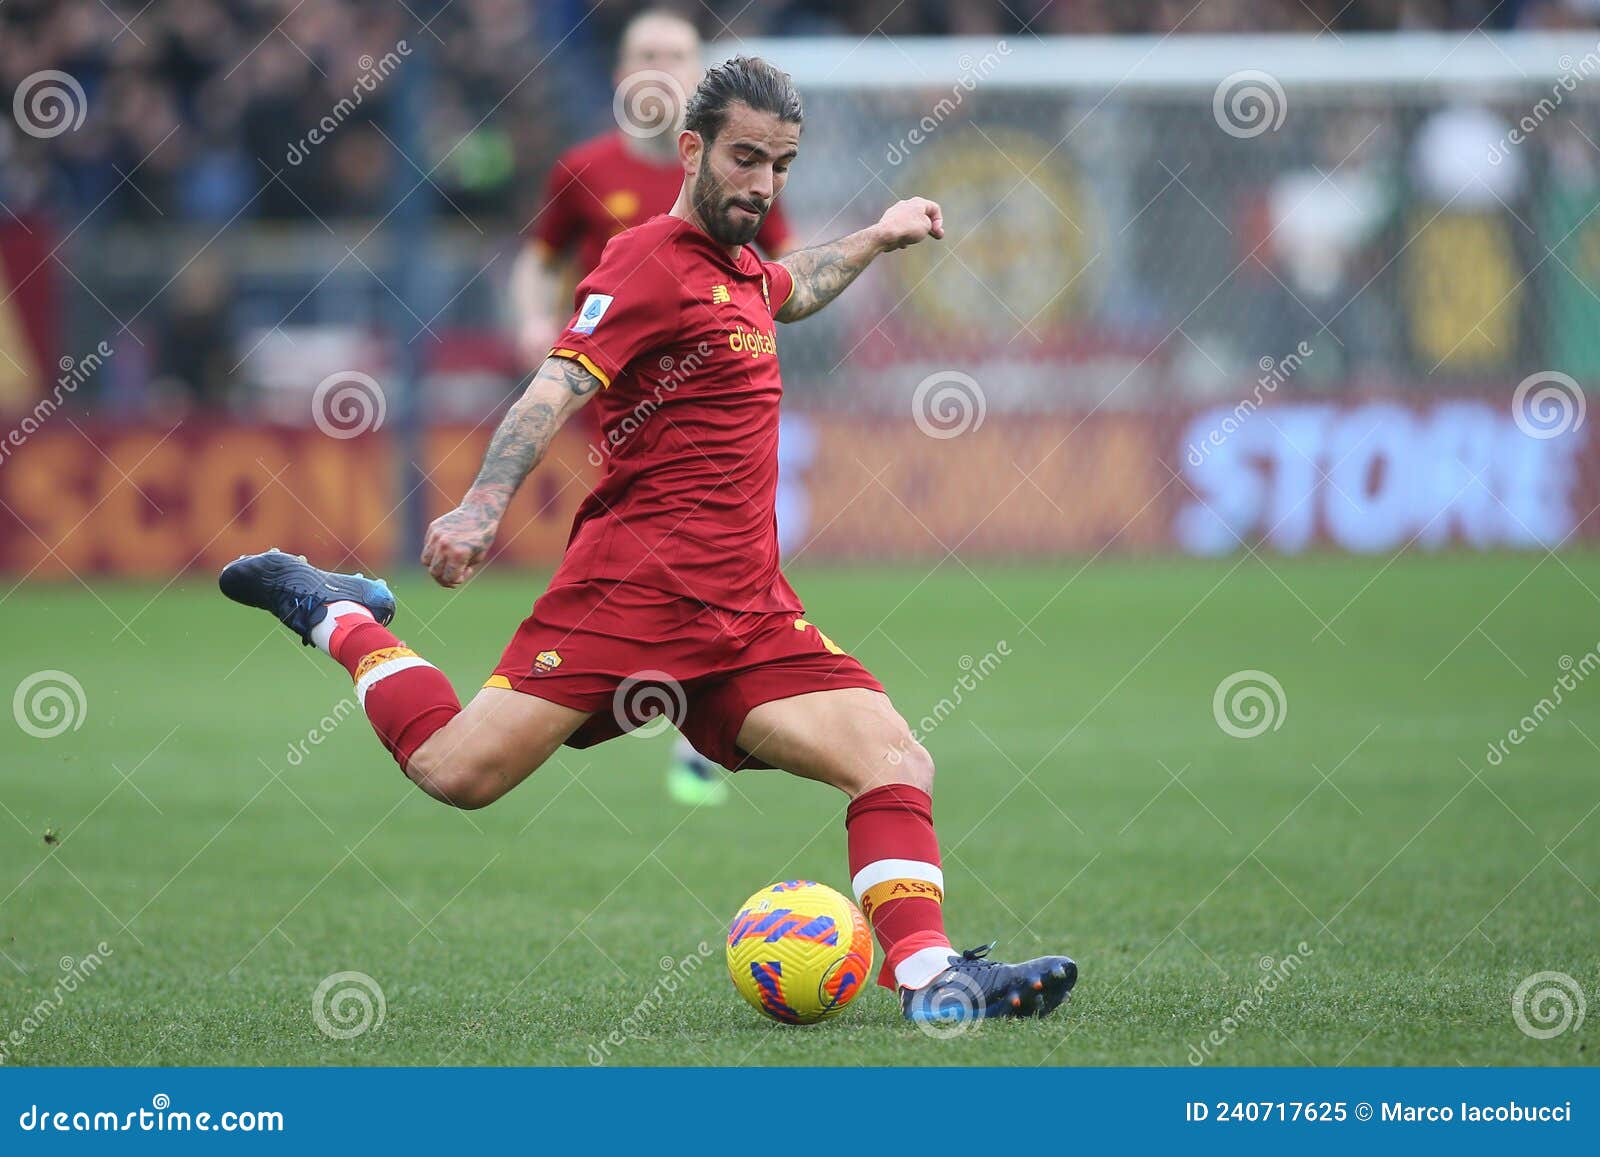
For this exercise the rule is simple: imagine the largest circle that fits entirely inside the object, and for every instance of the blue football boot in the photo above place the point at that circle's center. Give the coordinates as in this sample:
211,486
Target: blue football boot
973,988
299,593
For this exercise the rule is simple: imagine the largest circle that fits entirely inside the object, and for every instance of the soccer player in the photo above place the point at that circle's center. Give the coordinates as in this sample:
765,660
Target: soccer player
671,580
595,191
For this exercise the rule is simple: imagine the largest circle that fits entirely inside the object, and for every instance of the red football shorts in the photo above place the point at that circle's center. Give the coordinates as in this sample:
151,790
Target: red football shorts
629,654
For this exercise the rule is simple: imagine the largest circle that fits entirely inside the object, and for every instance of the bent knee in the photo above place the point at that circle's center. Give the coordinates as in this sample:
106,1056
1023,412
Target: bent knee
462,781
913,765
906,761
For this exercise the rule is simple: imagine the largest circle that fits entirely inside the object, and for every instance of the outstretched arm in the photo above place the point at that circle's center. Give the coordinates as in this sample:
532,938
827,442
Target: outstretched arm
457,541
821,273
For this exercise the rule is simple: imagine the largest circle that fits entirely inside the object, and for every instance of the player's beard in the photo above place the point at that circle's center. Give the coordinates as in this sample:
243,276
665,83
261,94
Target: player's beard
715,207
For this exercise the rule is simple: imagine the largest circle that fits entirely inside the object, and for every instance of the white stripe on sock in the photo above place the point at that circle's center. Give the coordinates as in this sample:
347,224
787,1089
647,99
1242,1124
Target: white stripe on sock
880,870
384,670
921,966
323,631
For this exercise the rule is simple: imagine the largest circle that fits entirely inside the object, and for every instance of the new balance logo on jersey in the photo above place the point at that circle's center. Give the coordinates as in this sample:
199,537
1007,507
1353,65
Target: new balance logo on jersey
594,308
719,295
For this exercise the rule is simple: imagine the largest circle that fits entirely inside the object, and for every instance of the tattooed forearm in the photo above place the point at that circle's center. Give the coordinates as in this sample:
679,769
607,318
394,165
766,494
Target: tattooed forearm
821,273
458,541
560,387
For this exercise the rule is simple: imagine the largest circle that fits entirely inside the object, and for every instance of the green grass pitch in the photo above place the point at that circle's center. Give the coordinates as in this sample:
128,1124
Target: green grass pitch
1088,802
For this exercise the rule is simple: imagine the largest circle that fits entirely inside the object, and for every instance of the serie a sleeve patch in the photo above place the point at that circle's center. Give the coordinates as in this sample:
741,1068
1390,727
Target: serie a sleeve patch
594,308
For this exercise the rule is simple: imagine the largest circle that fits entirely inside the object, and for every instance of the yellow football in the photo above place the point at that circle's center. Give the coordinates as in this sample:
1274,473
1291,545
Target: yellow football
799,951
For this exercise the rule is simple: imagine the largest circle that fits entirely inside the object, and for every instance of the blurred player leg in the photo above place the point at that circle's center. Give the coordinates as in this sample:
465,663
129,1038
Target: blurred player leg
692,779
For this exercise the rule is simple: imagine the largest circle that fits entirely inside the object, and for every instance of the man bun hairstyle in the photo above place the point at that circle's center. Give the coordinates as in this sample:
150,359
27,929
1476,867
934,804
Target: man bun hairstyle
747,80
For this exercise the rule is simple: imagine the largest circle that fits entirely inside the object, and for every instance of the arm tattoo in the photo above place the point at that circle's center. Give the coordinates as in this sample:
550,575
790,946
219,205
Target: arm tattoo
821,273
524,434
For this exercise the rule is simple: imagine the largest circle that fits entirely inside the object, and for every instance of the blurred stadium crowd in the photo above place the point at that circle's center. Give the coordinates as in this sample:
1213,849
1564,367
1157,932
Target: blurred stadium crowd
515,82
196,115
239,211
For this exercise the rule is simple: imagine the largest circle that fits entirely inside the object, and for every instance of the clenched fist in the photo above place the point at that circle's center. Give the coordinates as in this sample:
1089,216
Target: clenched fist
907,222
457,542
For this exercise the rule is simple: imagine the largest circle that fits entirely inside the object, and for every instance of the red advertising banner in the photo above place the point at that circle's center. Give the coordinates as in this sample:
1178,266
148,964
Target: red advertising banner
1369,476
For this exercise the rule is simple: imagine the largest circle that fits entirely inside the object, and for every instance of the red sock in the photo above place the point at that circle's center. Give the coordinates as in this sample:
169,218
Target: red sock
894,871
406,698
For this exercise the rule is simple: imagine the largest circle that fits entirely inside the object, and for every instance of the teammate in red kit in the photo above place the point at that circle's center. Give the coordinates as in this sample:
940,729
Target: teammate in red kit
616,180
600,188
670,596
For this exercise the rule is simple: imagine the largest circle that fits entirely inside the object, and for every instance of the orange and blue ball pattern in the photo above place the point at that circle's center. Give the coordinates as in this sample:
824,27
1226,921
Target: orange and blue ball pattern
799,951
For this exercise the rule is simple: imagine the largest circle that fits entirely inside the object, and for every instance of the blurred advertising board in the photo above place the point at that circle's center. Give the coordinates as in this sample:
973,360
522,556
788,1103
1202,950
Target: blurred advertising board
1374,475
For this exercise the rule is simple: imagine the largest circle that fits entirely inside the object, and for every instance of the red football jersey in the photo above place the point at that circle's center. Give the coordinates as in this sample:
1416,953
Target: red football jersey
599,188
684,339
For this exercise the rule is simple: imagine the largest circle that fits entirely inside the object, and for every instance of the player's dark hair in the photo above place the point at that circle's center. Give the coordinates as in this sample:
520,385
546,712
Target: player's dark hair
746,80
